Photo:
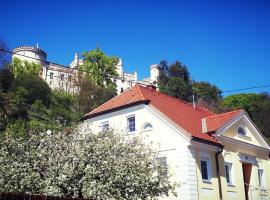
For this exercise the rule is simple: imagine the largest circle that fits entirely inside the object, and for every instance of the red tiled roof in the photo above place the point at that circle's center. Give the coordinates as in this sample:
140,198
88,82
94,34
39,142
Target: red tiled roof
215,122
180,112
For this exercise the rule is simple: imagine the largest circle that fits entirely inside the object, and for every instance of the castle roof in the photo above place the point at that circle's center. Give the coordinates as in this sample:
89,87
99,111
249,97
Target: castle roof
30,48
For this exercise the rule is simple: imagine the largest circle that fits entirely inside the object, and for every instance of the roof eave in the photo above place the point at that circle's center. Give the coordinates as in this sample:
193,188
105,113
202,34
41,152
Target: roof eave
88,116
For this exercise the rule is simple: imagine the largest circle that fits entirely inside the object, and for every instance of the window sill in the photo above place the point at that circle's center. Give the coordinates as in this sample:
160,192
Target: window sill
131,132
146,130
207,181
230,185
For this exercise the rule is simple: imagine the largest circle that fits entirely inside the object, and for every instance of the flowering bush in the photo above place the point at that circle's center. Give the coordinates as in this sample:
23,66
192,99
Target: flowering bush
72,164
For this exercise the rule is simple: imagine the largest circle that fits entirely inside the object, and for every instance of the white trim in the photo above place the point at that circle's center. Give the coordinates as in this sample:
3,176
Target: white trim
262,178
257,134
231,173
104,123
207,158
247,158
127,118
242,145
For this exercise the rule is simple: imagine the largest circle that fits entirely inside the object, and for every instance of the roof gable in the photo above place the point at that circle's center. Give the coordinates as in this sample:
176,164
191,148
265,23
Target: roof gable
217,121
253,135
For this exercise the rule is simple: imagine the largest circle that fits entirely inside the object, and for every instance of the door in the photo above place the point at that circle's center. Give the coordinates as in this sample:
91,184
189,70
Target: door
247,167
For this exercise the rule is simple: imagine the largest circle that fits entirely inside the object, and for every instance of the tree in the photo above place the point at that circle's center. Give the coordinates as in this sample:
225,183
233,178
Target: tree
5,56
20,67
174,80
95,80
79,163
91,95
207,95
6,78
64,108
35,87
98,67
207,91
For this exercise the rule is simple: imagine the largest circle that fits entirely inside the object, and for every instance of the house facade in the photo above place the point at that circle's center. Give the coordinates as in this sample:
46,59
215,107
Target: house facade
211,156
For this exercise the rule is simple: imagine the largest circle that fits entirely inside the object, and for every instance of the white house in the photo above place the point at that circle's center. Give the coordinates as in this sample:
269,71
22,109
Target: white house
212,156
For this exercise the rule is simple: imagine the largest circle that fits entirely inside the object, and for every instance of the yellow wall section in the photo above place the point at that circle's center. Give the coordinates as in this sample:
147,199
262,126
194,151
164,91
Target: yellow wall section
207,190
249,138
236,191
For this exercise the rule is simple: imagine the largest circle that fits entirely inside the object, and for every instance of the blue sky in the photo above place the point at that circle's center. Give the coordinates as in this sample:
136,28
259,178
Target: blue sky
226,43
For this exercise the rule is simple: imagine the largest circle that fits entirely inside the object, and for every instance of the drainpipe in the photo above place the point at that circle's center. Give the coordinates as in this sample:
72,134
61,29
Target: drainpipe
218,172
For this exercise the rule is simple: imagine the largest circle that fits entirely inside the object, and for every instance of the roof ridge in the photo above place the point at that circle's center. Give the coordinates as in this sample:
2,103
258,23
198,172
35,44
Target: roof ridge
109,101
225,113
178,99
139,90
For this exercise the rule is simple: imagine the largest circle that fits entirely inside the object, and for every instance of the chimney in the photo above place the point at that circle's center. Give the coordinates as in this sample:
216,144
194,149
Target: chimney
152,87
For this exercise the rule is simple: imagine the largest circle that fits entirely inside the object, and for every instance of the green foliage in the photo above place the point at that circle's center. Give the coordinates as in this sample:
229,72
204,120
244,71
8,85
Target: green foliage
73,164
91,95
174,80
99,67
35,88
6,78
20,67
256,105
64,108
207,91
244,101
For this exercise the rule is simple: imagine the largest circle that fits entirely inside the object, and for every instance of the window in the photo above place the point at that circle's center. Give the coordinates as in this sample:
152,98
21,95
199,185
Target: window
62,77
163,162
147,126
261,177
69,78
228,173
105,126
51,75
241,131
131,124
205,169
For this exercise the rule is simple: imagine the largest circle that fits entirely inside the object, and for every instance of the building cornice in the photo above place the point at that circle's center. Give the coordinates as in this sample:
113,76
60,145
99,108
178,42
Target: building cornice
30,48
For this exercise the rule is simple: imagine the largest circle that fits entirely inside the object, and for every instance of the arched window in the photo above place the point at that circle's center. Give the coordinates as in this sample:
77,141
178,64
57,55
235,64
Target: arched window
147,126
241,131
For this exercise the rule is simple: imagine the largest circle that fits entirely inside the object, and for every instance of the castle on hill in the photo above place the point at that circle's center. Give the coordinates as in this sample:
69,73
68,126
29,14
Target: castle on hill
62,77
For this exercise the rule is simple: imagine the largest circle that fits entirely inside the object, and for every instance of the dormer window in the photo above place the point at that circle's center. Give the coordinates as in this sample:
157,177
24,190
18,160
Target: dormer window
241,131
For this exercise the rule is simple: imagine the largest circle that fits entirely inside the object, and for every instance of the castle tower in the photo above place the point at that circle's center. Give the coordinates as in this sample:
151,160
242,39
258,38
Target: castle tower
30,54
154,73
119,67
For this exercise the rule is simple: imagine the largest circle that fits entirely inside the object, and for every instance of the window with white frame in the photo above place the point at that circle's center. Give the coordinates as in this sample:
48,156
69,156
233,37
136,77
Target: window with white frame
206,169
261,177
228,173
131,124
105,126
62,77
51,75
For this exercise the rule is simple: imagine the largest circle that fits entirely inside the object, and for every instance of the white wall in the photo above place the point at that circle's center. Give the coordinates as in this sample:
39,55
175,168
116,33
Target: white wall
164,135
